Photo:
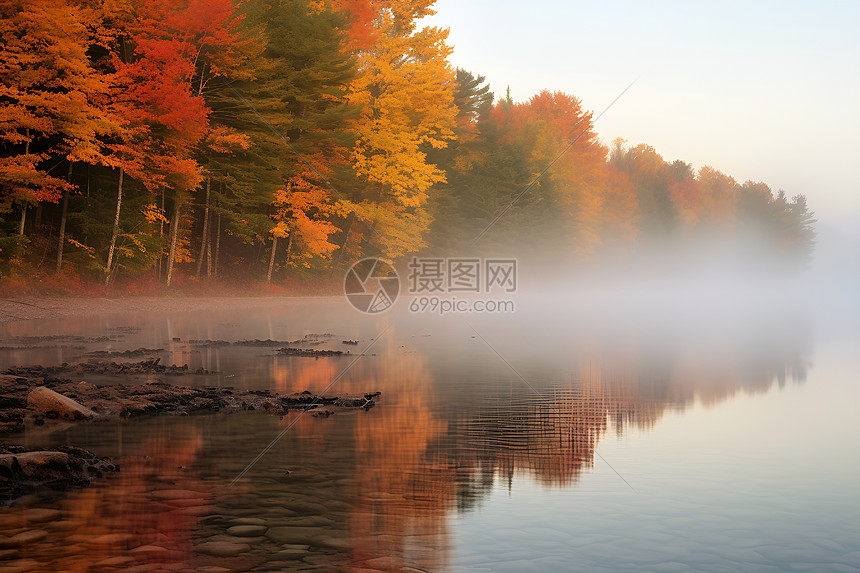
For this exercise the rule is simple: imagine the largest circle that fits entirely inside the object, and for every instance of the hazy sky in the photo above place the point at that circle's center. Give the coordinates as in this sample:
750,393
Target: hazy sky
768,91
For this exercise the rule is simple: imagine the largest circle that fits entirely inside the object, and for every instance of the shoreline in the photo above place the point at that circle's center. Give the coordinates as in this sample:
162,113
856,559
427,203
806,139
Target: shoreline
27,308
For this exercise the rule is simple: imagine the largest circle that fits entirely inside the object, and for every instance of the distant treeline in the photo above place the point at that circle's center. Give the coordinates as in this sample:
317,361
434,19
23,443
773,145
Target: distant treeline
266,139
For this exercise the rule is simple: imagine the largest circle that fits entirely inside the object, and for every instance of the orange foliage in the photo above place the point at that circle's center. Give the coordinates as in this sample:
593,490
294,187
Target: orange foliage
720,196
554,126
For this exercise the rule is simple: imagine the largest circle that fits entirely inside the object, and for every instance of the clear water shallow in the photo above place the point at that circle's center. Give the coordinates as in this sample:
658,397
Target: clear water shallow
659,442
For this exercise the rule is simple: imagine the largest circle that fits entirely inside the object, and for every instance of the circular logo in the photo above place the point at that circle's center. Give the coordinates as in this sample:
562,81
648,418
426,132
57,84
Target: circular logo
371,285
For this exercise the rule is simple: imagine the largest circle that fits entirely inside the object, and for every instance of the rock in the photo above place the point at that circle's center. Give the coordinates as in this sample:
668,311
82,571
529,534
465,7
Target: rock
115,561
23,472
311,521
249,521
291,554
110,539
296,535
247,530
270,406
351,402
339,543
149,550
289,351
44,400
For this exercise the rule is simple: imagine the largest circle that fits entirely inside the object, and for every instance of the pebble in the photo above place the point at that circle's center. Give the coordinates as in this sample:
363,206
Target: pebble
249,521
236,540
115,561
286,534
247,530
384,563
311,521
291,554
308,508
149,549
338,543
110,538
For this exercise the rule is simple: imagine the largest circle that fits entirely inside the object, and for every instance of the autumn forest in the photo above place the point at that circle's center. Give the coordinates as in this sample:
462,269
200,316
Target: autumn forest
172,143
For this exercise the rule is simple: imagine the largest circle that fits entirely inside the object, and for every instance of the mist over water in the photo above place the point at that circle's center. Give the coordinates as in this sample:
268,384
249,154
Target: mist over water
643,415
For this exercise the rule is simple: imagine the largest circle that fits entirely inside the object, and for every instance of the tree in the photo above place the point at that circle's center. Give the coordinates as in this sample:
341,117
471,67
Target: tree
719,196
405,89
798,237
180,47
51,99
565,160
649,175
454,207
620,212
296,115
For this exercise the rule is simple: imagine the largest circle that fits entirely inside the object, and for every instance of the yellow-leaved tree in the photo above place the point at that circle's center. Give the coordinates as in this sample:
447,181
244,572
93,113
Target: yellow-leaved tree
405,89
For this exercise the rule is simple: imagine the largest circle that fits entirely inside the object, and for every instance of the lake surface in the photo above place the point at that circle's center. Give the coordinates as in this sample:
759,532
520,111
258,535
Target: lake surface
559,437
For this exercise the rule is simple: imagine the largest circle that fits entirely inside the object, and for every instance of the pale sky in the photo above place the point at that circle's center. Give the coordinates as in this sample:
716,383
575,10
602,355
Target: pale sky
768,91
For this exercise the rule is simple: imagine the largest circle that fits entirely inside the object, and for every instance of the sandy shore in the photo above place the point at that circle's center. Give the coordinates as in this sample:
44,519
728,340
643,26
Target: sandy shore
33,308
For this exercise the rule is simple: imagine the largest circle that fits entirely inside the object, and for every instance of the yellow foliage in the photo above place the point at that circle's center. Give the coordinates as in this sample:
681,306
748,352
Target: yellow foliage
405,90
90,251
401,230
153,214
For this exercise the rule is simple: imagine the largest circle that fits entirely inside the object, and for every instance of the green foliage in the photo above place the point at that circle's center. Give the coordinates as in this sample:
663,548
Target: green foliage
12,251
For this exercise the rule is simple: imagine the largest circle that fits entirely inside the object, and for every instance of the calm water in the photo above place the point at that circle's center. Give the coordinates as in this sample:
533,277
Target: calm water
624,441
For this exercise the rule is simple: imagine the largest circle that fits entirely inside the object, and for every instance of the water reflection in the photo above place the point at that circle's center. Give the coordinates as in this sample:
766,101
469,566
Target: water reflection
377,489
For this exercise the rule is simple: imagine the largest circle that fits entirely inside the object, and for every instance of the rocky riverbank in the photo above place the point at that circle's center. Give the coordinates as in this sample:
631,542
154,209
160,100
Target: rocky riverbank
24,471
38,395
42,397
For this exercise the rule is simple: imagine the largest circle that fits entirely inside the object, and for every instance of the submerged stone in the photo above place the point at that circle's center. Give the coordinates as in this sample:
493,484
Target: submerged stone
46,401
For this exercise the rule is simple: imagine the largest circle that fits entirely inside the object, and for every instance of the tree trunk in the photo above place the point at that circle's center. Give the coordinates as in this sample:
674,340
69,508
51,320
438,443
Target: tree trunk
209,258
205,239
217,245
23,204
161,236
289,246
174,232
63,222
115,229
272,258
